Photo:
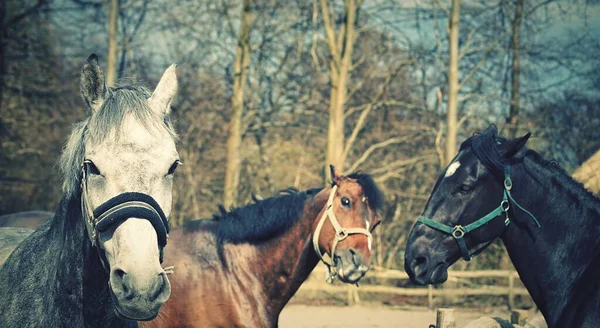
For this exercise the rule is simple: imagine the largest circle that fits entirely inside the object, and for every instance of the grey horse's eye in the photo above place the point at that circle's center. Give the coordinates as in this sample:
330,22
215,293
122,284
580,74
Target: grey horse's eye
91,167
174,167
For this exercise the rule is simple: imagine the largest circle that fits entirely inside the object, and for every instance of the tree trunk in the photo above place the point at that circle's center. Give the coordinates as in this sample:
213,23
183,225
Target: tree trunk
2,59
453,85
241,66
341,46
513,115
111,58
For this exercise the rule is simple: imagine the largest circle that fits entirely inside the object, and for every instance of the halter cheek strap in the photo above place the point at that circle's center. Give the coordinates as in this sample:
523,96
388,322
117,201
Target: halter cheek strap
341,233
458,232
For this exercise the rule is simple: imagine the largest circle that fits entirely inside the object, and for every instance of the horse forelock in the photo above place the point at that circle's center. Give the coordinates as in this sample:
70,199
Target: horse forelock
107,122
484,146
370,189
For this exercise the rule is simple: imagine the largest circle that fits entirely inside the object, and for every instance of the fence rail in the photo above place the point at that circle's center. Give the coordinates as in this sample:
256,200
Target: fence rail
317,283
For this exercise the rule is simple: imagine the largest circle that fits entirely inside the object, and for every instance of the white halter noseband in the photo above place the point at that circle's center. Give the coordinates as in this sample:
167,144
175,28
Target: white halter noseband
340,234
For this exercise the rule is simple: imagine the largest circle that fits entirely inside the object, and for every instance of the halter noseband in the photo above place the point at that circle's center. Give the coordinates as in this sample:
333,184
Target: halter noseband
458,232
340,234
119,209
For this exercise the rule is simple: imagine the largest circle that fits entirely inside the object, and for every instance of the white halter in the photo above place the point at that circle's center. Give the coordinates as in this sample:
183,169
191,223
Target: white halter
340,234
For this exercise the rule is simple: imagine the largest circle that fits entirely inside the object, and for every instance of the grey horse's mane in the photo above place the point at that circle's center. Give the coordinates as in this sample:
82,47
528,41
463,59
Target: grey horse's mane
107,122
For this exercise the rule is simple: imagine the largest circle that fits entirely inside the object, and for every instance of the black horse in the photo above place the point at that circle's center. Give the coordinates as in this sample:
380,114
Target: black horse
96,262
496,187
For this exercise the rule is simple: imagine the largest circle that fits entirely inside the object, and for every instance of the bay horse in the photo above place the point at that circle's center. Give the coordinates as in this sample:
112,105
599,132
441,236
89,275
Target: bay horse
549,223
97,262
240,268
29,219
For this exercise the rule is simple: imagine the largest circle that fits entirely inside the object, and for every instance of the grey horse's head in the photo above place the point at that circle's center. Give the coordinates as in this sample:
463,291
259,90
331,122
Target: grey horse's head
126,146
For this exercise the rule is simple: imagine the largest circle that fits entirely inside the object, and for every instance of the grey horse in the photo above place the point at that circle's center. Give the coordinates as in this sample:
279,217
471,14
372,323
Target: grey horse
97,262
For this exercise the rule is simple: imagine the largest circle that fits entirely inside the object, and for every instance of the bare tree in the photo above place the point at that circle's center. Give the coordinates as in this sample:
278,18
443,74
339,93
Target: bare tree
111,58
341,45
241,67
513,115
453,86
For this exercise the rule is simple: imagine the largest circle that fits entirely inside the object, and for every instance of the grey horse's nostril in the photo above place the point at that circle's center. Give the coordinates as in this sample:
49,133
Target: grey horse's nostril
122,283
159,286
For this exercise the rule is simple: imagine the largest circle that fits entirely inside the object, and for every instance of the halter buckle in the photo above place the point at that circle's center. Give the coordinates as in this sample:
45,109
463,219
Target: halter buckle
341,234
458,232
508,183
505,206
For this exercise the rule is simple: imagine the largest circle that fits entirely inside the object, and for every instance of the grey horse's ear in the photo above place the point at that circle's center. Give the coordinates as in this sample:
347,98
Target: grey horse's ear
161,98
93,88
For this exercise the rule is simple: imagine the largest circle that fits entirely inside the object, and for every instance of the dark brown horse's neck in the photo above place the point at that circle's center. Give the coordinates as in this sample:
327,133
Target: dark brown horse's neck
559,261
289,259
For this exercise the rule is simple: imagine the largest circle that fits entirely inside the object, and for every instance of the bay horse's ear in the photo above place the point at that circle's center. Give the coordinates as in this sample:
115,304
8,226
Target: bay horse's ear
335,177
92,85
161,98
512,146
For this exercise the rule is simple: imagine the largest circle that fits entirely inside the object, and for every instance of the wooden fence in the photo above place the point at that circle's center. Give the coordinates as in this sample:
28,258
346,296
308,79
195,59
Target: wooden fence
317,283
518,319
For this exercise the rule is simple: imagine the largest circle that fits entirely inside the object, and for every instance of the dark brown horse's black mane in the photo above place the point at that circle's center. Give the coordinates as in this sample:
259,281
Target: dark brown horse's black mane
262,220
270,217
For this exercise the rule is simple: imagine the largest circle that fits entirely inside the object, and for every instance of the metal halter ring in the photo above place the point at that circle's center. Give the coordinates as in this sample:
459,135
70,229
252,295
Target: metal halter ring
458,232
505,205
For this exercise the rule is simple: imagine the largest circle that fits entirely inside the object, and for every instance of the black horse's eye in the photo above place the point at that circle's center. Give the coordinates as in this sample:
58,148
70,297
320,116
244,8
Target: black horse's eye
345,202
91,168
464,188
174,167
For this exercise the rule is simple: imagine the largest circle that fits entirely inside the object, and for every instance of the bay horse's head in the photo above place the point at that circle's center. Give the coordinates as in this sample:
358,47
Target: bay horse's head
343,230
467,209
120,162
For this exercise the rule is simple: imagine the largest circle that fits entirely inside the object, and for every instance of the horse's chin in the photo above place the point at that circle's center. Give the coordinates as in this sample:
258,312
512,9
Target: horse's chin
351,275
132,314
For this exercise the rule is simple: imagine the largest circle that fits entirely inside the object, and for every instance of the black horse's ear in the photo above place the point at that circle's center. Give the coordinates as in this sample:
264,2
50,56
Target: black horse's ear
510,147
93,87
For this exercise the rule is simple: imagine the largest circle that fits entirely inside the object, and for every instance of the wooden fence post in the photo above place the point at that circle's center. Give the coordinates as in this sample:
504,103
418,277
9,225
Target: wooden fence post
430,297
445,318
511,292
518,317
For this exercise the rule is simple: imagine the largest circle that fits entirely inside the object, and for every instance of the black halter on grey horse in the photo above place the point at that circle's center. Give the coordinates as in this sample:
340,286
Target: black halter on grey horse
112,222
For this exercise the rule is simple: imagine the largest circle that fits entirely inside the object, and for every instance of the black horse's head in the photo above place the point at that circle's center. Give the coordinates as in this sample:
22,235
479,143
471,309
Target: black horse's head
470,191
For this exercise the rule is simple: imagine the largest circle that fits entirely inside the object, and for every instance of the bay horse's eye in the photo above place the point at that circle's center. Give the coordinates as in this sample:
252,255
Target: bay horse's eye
91,167
345,202
174,167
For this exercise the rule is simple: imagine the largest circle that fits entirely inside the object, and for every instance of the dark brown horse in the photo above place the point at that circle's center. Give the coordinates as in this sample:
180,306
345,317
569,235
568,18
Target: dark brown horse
242,267
30,219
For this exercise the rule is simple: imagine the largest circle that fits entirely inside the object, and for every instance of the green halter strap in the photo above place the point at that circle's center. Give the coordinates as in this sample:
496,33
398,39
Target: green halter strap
458,232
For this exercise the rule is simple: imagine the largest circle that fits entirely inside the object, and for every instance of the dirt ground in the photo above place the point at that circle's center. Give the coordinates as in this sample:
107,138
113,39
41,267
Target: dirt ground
300,316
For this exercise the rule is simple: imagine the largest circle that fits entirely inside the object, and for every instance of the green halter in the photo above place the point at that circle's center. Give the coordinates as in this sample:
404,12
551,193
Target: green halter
458,231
